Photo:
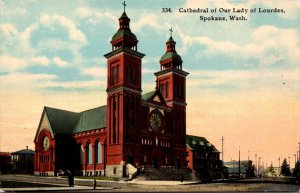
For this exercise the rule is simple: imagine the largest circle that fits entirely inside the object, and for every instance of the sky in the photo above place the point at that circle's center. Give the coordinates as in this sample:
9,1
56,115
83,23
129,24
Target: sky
244,75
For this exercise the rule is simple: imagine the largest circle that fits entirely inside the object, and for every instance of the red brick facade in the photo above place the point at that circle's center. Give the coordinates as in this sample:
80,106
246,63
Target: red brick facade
132,129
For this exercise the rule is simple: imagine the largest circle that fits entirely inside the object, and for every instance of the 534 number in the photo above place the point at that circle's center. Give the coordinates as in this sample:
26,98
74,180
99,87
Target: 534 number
166,10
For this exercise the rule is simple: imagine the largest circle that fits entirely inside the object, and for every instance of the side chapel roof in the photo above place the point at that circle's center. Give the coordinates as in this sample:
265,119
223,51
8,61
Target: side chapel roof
67,122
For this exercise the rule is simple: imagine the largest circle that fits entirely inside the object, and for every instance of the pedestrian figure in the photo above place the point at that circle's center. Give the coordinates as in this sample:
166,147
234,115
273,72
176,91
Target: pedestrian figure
72,179
181,177
95,184
69,178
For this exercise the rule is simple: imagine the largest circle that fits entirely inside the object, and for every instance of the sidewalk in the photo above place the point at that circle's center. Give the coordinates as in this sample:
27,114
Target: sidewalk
33,189
162,183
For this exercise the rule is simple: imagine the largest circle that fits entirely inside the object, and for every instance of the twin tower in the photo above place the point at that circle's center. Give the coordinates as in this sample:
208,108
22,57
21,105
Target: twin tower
146,129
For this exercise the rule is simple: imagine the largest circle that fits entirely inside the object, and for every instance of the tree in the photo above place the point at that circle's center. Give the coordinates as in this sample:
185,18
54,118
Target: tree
250,169
296,172
271,170
285,168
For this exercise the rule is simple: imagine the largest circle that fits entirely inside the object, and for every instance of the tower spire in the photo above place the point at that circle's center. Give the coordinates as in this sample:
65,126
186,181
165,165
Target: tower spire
124,4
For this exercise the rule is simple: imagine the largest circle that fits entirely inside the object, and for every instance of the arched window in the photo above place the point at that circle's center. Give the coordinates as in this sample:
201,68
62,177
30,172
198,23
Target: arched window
89,152
81,154
98,152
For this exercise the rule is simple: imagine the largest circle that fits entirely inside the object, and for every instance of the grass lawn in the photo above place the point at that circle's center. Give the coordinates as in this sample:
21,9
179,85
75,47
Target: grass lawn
98,178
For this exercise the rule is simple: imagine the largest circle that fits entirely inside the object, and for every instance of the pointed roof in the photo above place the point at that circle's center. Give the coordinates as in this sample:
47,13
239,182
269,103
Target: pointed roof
154,96
124,29
124,15
62,121
171,53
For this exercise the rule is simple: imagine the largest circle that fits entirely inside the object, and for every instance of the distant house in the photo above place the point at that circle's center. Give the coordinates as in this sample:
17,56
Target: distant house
203,158
246,168
5,158
275,172
23,161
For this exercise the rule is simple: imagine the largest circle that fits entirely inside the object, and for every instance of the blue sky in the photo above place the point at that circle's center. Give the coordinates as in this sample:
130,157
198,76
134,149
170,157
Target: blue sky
51,54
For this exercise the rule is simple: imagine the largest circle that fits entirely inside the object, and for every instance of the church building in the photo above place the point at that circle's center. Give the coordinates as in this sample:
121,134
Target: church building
132,130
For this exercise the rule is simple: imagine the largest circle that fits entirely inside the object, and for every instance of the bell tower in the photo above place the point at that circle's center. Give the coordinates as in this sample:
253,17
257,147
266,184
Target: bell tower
123,98
171,81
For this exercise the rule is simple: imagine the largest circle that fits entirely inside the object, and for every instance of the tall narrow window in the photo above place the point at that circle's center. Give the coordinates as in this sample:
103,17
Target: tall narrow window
98,152
129,74
163,90
133,76
167,90
89,152
112,74
81,154
114,121
117,74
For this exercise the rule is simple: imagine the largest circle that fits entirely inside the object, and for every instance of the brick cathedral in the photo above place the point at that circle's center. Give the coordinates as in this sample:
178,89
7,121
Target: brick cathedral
132,130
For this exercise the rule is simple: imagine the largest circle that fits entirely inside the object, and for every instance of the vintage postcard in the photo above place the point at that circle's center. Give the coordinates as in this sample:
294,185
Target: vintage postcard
156,95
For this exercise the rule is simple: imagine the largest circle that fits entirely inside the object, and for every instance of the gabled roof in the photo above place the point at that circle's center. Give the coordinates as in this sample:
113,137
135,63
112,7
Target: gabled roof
61,121
91,119
148,95
197,143
154,96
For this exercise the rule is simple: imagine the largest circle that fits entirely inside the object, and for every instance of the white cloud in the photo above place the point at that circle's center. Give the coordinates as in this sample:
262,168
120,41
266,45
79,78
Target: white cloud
59,62
26,36
265,31
9,63
244,80
24,81
12,64
94,16
147,20
95,72
8,29
74,33
41,60
78,85
84,12
148,71
267,44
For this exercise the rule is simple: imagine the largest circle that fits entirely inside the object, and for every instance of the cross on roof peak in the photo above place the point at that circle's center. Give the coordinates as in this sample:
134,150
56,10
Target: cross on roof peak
171,31
124,3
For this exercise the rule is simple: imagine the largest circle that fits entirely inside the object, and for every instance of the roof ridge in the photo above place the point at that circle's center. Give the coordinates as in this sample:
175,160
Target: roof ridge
93,108
194,136
46,107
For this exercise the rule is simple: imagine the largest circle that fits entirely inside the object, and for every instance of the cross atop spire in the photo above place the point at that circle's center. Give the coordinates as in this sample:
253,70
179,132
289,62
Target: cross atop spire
171,31
124,5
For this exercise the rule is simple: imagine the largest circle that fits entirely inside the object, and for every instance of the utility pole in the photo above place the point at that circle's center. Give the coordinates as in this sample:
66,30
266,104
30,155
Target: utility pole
290,162
295,159
248,155
299,153
222,149
239,162
222,157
